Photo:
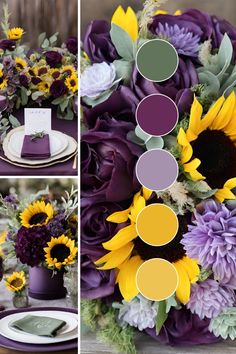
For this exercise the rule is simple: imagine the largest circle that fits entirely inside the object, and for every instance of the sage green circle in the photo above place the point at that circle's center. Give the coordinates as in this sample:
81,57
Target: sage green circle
157,60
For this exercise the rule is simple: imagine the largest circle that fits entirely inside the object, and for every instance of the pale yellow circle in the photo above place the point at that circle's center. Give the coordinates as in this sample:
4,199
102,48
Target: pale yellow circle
157,224
157,279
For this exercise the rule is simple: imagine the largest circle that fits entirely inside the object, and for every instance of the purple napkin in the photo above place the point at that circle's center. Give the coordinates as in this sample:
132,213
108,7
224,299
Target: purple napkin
36,149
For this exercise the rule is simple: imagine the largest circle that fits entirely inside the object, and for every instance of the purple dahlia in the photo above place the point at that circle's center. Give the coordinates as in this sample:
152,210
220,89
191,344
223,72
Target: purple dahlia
211,239
30,243
184,328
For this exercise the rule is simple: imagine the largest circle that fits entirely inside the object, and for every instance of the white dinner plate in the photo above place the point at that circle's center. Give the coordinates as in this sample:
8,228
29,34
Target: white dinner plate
58,142
69,332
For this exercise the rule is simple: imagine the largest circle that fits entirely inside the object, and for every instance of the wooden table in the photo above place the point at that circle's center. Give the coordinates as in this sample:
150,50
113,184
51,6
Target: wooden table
146,345
6,300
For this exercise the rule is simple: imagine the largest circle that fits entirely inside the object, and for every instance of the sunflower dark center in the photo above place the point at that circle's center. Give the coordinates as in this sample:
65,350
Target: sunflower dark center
38,218
60,252
173,251
19,65
218,157
72,82
1,80
16,283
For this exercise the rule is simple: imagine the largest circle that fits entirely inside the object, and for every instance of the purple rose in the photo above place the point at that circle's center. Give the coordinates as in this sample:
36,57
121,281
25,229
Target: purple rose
121,105
97,42
95,283
177,87
184,328
24,80
53,58
3,103
108,161
220,28
72,45
58,88
7,44
95,229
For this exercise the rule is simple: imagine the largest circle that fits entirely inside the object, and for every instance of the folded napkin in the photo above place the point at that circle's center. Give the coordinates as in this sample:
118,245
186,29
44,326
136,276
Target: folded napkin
39,325
36,149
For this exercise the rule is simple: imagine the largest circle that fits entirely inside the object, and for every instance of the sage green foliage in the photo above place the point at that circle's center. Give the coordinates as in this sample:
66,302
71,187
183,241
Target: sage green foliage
103,319
204,274
123,43
224,324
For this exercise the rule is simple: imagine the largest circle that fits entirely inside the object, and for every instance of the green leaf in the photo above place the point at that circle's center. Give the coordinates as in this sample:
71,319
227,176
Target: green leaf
45,44
24,97
122,42
156,142
94,101
14,121
53,38
41,38
58,100
36,95
64,104
161,316
211,81
141,134
123,69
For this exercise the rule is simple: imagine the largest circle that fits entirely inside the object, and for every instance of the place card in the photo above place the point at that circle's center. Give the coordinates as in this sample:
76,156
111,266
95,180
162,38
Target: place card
38,120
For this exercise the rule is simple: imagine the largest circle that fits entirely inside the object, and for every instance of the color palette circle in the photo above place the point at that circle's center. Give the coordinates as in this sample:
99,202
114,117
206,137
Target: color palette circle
157,224
157,60
157,169
157,279
157,114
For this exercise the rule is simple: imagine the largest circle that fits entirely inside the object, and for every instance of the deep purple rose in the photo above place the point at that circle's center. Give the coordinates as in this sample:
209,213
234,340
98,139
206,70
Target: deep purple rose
184,328
72,45
53,58
121,105
95,229
95,283
24,80
177,87
7,44
108,161
97,42
58,88
221,27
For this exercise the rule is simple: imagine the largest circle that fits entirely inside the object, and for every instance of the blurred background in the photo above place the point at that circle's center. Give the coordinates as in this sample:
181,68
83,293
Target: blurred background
37,16
90,9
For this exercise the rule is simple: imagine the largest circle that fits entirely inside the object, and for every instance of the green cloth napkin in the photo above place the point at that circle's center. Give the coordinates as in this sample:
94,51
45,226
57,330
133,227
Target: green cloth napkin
39,325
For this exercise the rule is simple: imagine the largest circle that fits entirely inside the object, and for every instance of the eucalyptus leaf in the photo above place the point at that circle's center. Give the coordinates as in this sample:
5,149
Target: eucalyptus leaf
211,81
14,121
58,100
94,101
225,51
41,38
142,134
123,69
131,136
155,143
24,97
36,95
64,104
161,315
204,195
45,44
122,42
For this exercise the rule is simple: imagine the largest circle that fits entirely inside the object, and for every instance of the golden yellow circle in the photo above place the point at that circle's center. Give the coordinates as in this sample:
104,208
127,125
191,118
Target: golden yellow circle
157,279
157,224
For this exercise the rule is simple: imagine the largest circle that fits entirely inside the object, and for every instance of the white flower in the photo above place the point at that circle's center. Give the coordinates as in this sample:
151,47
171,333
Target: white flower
139,312
96,79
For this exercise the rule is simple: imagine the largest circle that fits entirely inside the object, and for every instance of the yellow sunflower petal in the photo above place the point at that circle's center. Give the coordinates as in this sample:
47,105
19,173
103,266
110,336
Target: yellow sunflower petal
138,205
194,121
127,278
122,237
231,183
211,114
187,150
146,193
223,194
131,23
183,288
119,216
196,176
191,267
192,165
114,259
225,114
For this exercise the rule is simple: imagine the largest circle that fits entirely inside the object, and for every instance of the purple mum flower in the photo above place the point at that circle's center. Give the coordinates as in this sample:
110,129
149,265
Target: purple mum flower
184,328
30,243
185,42
209,298
95,283
212,240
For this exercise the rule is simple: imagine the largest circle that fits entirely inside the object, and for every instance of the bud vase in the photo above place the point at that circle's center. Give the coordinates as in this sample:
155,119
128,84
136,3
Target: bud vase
44,285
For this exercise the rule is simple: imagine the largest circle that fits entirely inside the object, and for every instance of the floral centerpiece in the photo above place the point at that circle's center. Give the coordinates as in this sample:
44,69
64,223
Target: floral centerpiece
44,75
42,234
202,309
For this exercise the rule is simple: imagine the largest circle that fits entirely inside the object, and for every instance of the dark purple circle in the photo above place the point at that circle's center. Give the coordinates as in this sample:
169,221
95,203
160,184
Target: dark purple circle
157,114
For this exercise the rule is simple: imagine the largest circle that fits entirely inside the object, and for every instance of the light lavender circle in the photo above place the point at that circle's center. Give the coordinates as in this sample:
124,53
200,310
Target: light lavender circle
157,169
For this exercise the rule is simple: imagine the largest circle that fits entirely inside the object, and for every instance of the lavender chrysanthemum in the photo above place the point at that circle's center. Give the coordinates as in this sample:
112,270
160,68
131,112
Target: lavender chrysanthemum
212,240
185,42
209,298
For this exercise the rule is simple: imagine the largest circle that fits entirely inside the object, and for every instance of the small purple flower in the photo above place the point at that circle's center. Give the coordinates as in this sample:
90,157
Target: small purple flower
57,226
53,58
72,45
3,103
211,239
24,80
7,44
11,199
209,298
95,283
58,88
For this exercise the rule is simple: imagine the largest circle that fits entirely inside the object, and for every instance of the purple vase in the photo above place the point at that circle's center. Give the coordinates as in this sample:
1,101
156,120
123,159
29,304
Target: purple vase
44,286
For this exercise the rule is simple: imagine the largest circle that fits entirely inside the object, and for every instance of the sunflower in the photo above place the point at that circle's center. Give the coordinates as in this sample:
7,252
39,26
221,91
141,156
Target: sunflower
16,282
61,251
37,214
72,83
3,81
55,73
21,64
44,86
67,70
128,252
209,146
15,33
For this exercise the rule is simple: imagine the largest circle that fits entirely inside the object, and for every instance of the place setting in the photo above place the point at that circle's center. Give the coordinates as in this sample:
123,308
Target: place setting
35,144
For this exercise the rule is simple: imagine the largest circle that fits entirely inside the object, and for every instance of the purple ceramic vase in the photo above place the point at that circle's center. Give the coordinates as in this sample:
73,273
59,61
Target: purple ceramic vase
44,285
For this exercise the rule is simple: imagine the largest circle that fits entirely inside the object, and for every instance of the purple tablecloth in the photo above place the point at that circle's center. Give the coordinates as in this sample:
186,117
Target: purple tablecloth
62,169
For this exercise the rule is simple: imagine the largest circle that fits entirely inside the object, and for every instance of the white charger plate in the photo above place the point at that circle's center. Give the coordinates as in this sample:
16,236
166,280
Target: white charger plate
58,142
69,332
